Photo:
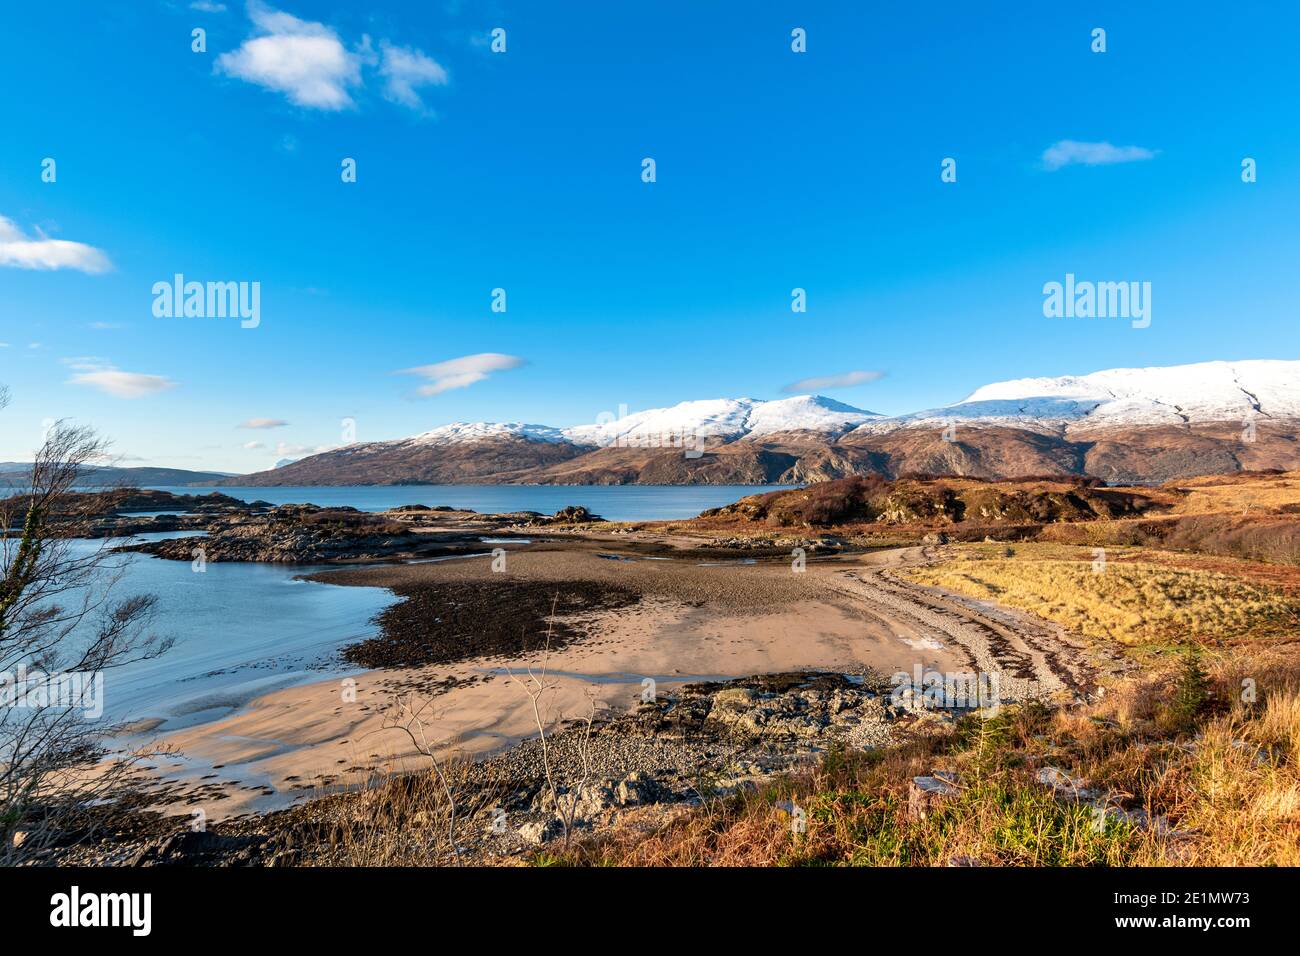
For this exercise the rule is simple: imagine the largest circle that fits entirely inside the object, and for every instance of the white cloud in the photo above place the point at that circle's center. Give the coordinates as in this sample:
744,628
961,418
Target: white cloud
253,444
206,6
1070,152
405,70
24,252
462,372
121,384
262,423
824,382
305,61
312,65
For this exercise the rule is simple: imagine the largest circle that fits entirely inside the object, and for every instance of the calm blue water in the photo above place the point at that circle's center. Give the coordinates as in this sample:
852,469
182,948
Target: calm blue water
241,630
244,629
615,502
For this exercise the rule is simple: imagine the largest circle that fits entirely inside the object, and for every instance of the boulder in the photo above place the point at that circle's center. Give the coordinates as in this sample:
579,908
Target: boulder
638,789
575,514
541,831
1063,785
926,793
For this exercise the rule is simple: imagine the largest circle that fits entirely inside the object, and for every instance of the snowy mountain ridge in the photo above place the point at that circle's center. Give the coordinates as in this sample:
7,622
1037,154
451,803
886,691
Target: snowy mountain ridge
1121,397
1127,397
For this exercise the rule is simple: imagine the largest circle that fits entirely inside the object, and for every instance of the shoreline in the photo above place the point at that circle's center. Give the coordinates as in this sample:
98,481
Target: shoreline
690,620
707,613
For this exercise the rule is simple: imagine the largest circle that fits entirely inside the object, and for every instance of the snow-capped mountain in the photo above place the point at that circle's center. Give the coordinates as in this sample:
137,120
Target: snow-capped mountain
1129,424
1127,397
718,418
458,433
723,418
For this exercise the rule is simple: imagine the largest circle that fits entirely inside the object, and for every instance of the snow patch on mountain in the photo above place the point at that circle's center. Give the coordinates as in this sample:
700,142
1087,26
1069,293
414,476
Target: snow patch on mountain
722,418
805,413
458,433
1205,391
1121,397
710,418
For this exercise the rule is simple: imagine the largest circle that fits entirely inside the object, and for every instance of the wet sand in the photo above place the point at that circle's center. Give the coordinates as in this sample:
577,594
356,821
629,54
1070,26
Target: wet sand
694,619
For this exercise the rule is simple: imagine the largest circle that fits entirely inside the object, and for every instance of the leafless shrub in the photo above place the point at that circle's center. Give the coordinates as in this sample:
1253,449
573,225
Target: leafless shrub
59,616
536,685
406,819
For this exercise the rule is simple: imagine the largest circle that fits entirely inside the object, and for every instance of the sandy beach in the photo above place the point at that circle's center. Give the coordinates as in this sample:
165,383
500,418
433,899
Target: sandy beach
693,620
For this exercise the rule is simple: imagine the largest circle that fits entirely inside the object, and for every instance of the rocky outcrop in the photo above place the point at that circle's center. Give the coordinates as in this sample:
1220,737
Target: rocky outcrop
121,512
942,501
295,534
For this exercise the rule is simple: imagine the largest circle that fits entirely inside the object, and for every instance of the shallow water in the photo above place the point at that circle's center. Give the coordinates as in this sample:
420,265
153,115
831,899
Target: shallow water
240,630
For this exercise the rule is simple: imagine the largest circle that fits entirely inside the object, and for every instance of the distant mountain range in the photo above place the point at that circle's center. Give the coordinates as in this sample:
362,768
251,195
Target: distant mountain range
1120,425
14,473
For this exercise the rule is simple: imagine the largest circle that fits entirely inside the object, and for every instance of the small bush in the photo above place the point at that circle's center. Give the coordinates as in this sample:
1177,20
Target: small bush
1191,696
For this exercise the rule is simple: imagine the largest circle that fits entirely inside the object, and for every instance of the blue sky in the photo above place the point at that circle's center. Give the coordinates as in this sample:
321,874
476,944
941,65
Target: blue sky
522,170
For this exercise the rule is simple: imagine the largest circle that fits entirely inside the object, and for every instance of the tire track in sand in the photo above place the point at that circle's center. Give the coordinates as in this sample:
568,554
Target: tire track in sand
1033,658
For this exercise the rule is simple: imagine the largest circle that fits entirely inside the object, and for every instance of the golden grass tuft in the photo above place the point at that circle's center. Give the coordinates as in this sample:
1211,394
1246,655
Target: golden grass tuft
1239,493
1129,602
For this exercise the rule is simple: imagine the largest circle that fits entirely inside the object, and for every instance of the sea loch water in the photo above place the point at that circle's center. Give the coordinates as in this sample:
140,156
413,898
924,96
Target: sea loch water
240,630
615,502
244,629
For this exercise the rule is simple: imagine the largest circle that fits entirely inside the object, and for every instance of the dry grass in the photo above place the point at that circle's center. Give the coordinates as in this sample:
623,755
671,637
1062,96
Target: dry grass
1239,493
404,819
1222,788
1194,762
1131,602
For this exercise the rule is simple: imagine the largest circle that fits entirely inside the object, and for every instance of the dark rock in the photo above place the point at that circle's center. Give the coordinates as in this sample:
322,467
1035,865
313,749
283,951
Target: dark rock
637,789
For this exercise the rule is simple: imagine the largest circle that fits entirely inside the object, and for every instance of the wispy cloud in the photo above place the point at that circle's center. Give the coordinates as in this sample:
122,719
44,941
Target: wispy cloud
461,372
207,6
253,444
405,70
823,383
98,373
1069,152
262,423
41,252
315,68
305,61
